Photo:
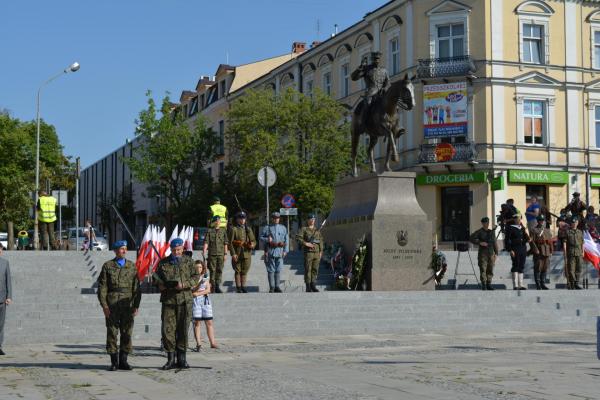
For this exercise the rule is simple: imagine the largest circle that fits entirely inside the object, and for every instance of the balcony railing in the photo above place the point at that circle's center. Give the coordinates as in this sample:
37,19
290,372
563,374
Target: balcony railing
445,67
464,152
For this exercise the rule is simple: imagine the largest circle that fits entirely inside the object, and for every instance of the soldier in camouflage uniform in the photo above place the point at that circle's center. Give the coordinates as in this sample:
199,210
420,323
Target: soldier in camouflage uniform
542,250
241,244
485,239
312,244
175,277
119,295
573,251
215,248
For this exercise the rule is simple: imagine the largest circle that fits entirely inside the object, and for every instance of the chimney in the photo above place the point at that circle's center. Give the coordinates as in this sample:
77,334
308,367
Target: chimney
298,47
315,43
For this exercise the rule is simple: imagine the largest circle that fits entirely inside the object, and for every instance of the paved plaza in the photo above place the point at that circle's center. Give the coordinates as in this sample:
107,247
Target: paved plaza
515,365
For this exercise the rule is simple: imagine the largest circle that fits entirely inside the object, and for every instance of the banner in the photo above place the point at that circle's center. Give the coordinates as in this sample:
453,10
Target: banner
445,110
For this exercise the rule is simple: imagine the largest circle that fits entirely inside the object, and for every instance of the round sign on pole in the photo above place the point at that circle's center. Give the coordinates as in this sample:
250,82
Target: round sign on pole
288,201
271,177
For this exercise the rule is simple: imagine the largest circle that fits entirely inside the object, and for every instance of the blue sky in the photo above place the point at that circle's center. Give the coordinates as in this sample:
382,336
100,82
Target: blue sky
126,47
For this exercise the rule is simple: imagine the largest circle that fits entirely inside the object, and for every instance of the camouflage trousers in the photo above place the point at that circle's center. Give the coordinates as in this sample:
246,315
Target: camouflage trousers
486,268
311,266
175,325
573,268
120,322
215,266
242,266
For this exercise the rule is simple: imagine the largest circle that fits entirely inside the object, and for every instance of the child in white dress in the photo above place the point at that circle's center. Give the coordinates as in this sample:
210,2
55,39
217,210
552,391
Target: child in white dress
202,308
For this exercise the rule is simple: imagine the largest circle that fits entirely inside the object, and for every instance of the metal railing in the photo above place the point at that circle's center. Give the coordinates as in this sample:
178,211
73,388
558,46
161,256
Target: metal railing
445,67
465,152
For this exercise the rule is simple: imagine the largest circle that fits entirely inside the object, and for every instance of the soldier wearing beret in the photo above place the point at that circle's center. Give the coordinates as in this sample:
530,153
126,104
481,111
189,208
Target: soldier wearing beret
175,277
542,251
215,248
119,295
242,242
275,238
312,244
573,253
485,239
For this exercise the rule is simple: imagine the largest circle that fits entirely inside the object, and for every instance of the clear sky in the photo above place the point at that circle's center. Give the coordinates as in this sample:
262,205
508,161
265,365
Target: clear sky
126,47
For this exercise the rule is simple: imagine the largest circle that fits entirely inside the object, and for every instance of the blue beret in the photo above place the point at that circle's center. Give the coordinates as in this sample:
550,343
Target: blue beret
119,243
176,242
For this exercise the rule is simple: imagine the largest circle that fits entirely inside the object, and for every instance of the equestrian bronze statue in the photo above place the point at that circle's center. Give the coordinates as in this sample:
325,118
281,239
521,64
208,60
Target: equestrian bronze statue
377,113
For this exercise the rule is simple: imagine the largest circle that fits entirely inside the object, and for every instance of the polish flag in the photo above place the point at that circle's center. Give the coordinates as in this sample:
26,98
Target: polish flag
141,263
188,238
162,241
174,235
591,250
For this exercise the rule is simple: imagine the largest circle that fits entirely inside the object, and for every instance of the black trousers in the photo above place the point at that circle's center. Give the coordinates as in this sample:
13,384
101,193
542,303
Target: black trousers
518,261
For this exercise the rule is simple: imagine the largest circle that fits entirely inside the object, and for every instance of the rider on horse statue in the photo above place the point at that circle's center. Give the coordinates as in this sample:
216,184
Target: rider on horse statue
376,79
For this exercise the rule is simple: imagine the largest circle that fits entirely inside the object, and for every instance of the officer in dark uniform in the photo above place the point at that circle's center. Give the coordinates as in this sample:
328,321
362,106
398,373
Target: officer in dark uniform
485,239
573,251
541,238
516,243
175,277
119,295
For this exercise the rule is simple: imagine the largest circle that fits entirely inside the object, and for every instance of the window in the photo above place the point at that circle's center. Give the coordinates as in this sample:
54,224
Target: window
209,172
532,43
538,191
327,83
597,49
533,119
223,88
202,103
597,126
345,79
394,54
450,40
221,168
308,89
194,106
221,147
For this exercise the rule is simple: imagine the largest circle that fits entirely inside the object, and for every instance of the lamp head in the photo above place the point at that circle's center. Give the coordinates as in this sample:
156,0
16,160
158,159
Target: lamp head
73,67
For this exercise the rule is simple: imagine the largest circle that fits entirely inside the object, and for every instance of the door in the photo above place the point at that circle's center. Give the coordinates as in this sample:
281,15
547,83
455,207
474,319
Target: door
455,213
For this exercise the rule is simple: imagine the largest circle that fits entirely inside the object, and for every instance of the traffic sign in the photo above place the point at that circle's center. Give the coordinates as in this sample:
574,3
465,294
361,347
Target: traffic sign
271,176
288,211
288,201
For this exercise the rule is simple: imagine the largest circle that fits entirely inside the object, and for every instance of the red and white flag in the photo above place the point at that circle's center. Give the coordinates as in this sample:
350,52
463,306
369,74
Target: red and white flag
591,250
188,238
162,240
174,235
142,261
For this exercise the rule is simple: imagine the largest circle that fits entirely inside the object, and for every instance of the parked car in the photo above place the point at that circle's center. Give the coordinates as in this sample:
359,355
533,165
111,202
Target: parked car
99,244
4,239
199,235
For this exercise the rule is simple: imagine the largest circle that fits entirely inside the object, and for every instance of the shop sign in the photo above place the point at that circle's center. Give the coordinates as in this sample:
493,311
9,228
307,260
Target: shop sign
497,183
444,152
445,110
533,176
595,180
450,179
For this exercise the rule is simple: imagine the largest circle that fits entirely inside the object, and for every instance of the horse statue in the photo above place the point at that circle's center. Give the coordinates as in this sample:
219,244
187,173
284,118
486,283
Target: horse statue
380,119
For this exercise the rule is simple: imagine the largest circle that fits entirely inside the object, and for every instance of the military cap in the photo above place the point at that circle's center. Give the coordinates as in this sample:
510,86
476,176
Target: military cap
376,54
484,220
119,243
510,200
176,242
240,214
574,219
215,218
312,216
541,218
275,214
576,194
216,198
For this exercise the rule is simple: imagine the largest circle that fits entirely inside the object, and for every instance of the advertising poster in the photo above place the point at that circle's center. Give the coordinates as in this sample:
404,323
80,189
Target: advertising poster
445,110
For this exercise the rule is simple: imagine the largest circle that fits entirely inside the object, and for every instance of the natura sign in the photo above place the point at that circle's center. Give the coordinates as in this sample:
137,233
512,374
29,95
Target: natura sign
536,176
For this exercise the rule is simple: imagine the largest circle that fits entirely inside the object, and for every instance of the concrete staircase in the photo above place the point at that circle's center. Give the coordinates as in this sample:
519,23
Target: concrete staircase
53,302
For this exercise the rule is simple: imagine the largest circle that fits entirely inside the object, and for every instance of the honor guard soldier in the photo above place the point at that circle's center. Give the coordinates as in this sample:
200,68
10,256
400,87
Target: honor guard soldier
541,238
215,246
175,277
275,238
573,251
217,209
516,243
242,242
485,239
119,294
312,244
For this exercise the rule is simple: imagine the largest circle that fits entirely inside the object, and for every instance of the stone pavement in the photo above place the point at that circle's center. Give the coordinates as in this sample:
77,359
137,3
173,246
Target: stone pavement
512,365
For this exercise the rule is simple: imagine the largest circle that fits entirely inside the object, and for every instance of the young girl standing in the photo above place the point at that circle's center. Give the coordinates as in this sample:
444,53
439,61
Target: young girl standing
202,308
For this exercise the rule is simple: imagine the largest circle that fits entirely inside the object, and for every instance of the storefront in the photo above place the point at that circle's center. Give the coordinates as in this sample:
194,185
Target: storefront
547,186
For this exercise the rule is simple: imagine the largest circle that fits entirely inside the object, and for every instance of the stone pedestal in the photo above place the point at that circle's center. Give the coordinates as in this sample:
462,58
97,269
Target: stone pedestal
384,207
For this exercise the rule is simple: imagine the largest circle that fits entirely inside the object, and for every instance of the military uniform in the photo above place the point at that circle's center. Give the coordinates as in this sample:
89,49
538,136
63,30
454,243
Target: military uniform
574,254
375,76
176,304
215,242
486,255
119,290
312,256
542,244
275,238
241,243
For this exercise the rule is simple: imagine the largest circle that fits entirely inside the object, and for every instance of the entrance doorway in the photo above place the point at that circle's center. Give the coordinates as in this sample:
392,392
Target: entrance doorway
455,213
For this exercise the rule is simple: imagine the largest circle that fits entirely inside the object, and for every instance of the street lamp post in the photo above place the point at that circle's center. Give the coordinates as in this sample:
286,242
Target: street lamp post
36,240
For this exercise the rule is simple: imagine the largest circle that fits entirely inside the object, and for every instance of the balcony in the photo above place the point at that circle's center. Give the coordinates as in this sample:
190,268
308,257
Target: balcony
432,154
445,67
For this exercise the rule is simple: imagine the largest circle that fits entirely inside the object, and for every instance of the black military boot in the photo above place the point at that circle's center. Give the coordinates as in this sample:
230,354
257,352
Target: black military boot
181,362
123,364
543,281
313,287
218,289
576,285
308,288
488,286
170,361
114,362
538,285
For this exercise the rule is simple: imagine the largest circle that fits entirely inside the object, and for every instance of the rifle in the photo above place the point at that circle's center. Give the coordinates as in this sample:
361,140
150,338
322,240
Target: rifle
312,238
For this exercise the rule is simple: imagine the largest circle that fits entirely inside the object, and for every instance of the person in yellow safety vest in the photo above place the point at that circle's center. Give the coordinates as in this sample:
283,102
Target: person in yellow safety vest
46,216
218,209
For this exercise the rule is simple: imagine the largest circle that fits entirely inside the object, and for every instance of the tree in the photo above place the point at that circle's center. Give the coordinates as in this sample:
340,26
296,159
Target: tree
306,140
171,158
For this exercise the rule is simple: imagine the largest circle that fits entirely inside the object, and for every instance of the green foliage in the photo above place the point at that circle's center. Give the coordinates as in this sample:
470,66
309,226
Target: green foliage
172,157
305,140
